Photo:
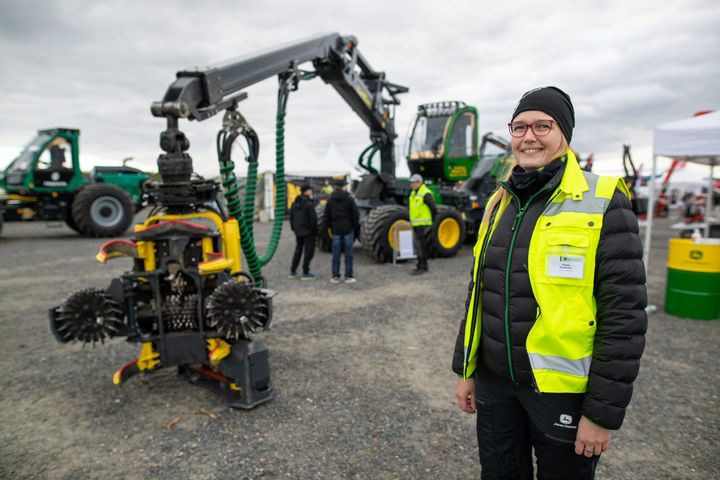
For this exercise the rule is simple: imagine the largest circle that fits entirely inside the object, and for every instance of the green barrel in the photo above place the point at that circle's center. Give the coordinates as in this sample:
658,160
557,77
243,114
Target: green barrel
693,282
693,294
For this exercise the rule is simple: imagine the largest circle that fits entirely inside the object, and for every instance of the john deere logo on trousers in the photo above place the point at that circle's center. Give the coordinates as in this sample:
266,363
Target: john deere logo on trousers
696,254
565,422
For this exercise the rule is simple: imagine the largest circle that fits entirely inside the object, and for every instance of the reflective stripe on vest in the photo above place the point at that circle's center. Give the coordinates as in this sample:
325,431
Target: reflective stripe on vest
579,367
587,204
561,266
420,214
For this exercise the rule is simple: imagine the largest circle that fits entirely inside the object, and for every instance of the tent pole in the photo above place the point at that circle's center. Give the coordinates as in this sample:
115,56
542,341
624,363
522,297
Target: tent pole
650,213
709,200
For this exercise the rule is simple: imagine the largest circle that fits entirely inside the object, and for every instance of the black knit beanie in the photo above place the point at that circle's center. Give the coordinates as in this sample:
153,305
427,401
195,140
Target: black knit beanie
552,101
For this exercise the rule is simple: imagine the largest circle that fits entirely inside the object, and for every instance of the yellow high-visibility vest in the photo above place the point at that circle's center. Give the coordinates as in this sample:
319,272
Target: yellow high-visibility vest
420,214
561,266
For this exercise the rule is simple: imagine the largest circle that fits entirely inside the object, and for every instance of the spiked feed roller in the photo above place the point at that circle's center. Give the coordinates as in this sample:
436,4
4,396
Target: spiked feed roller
89,316
236,310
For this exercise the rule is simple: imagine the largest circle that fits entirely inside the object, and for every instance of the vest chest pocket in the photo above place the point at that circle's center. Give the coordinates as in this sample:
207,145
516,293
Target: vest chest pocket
567,256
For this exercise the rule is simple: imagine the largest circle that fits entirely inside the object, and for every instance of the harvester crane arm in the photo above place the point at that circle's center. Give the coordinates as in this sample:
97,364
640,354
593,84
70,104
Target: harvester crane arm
201,93
631,173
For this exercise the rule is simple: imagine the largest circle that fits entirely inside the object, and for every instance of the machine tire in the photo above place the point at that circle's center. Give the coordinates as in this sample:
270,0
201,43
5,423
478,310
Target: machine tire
70,222
324,239
102,210
377,229
1,221
447,234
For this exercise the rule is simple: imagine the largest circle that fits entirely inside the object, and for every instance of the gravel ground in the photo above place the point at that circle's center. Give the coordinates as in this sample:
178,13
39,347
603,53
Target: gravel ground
361,373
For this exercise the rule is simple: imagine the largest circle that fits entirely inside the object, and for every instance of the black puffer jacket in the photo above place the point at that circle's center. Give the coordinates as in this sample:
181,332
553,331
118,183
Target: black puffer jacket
619,290
341,214
303,219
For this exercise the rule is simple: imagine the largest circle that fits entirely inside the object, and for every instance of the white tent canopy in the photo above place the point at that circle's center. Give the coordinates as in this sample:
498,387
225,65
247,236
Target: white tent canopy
695,139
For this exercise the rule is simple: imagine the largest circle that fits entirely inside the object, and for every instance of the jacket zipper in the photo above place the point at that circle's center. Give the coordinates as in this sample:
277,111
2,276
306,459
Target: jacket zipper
478,281
515,230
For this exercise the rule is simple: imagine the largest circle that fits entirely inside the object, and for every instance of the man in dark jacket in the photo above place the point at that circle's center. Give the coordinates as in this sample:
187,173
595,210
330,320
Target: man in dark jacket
303,222
341,217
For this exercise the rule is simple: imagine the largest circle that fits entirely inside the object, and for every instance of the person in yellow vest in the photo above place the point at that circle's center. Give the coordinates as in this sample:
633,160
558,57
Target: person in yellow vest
327,189
422,215
555,321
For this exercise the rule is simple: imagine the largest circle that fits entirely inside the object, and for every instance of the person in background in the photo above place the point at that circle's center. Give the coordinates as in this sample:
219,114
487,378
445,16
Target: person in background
327,189
422,215
303,222
555,317
342,218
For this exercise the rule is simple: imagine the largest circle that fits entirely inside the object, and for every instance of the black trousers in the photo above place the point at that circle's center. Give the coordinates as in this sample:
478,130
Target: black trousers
303,244
512,420
420,243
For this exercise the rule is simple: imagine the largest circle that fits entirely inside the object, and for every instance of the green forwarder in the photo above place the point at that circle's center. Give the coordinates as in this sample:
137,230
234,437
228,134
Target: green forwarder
40,185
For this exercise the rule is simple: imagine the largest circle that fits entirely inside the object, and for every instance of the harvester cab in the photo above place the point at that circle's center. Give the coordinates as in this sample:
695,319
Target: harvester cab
49,163
443,142
45,183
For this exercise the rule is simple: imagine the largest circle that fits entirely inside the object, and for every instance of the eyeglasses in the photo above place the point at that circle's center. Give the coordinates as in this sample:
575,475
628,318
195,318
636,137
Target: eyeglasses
539,128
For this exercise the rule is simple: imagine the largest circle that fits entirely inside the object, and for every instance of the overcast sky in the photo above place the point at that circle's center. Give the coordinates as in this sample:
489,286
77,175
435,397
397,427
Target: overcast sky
98,65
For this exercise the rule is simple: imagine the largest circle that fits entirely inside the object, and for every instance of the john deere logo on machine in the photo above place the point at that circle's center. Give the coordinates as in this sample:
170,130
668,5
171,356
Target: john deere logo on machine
458,171
696,254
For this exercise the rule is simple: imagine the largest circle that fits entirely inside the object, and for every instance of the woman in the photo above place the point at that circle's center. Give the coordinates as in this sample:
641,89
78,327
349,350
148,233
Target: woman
555,317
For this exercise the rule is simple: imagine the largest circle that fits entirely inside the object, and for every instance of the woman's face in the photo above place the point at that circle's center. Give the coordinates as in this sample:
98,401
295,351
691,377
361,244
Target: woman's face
531,151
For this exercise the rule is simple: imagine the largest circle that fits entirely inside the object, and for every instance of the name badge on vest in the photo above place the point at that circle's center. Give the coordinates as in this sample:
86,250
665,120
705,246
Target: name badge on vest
566,266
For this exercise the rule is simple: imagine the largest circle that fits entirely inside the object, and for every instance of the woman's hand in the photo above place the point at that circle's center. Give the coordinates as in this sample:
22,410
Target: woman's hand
465,394
591,439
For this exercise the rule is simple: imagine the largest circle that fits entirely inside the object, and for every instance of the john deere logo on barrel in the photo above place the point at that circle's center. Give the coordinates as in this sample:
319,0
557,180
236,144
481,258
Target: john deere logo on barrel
696,254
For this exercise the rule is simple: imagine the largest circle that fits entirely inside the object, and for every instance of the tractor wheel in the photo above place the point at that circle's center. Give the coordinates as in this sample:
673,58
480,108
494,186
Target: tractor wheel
102,210
447,234
378,230
70,222
324,239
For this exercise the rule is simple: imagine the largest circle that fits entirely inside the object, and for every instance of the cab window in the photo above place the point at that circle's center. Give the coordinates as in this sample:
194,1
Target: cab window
461,137
56,156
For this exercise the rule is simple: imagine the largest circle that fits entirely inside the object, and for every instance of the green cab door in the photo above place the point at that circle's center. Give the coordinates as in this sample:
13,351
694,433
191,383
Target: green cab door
460,152
56,165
